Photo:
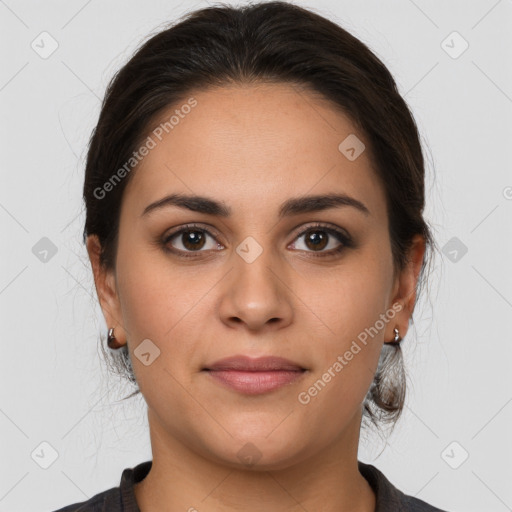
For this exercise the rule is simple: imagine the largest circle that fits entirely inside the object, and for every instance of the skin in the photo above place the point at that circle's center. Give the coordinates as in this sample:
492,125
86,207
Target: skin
254,147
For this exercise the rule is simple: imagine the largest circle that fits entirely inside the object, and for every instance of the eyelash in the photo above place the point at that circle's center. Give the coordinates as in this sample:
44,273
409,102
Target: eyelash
345,240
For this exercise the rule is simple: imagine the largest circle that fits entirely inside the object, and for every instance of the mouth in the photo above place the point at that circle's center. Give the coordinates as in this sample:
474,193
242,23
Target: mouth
259,364
255,376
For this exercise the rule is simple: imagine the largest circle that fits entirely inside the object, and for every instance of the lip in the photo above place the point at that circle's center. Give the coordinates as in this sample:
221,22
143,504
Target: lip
255,376
254,364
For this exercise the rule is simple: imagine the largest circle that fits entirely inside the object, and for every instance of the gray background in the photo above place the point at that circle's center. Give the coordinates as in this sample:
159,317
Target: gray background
55,388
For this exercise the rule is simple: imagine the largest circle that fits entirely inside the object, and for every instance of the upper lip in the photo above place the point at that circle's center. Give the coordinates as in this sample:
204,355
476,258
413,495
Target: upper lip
250,364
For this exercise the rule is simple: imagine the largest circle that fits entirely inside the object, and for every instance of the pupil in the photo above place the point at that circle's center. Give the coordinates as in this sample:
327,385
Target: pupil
317,240
192,238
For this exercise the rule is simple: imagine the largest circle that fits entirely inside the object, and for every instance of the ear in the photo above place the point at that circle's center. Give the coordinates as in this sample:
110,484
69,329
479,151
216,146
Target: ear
404,291
105,283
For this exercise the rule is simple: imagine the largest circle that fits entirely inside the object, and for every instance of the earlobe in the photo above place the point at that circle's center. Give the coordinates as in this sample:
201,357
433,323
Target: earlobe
105,284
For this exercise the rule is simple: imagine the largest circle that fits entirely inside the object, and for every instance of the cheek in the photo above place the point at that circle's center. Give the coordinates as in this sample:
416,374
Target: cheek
349,329
348,300
169,305
155,293
346,358
157,305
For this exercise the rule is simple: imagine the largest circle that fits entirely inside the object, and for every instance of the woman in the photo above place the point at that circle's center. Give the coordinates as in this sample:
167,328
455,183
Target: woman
255,192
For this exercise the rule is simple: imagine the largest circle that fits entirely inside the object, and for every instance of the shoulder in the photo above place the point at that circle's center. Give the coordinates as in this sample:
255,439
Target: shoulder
116,499
388,497
412,504
96,503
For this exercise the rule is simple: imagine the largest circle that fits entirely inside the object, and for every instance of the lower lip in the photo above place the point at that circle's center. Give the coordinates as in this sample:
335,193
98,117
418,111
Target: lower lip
255,383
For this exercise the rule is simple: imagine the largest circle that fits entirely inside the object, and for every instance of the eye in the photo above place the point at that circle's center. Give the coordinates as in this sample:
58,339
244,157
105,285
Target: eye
190,238
319,237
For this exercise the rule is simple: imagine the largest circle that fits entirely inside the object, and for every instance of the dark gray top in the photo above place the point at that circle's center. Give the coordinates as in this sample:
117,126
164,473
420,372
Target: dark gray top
122,498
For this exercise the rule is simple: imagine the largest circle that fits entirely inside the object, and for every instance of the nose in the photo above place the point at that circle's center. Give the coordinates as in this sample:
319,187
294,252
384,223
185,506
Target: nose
256,295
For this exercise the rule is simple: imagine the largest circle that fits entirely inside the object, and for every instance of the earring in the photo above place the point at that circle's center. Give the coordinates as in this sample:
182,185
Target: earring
396,340
112,341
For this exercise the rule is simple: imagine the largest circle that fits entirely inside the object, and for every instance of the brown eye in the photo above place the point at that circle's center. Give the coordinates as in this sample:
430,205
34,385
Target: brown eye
190,239
318,238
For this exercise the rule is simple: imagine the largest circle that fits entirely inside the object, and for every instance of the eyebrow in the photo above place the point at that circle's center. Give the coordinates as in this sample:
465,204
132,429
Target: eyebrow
293,206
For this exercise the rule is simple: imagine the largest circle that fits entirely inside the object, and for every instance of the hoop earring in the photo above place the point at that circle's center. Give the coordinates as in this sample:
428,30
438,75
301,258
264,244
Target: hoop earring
112,341
397,339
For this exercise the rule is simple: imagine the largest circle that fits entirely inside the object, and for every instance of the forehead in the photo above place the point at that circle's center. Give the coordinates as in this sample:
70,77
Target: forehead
244,143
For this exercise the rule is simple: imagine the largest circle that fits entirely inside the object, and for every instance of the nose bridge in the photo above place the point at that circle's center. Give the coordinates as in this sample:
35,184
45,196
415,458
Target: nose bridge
253,271
255,266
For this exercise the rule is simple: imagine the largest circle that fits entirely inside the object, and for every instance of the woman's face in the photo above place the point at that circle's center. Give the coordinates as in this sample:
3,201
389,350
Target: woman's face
249,283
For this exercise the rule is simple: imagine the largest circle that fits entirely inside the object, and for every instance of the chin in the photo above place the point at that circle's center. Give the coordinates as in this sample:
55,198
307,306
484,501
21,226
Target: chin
260,451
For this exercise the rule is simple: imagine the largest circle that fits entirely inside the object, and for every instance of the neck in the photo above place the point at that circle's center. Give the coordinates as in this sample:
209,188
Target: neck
182,479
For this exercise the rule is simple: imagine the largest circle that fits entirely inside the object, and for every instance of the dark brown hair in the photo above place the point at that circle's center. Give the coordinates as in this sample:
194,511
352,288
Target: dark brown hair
264,42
